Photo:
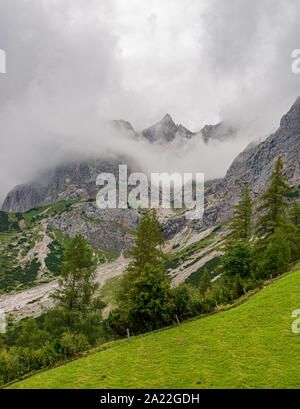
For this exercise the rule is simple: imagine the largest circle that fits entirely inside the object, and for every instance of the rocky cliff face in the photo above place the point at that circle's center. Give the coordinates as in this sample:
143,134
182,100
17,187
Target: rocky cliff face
254,166
76,180
107,229
32,246
219,132
73,181
166,131
122,126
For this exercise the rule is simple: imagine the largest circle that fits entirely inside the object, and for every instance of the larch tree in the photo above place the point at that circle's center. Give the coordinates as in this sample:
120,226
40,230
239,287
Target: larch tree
145,299
273,206
241,224
77,308
149,241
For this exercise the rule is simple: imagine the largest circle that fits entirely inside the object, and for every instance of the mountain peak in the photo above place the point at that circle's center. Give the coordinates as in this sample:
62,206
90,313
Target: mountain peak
121,124
167,119
165,131
221,131
291,120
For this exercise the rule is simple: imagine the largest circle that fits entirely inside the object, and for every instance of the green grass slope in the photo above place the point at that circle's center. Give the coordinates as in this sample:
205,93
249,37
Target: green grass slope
251,346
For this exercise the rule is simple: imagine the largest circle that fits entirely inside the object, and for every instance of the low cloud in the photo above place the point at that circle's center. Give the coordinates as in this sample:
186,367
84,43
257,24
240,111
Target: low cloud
72,65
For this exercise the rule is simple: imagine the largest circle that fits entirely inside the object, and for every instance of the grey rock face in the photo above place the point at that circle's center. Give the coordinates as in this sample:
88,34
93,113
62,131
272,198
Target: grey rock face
107,229
24,197
219,132
166,131
70,181
173,226
255,165
78,181
122,126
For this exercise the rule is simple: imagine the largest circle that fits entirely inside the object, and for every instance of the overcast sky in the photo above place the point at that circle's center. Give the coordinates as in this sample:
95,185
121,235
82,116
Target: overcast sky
73,63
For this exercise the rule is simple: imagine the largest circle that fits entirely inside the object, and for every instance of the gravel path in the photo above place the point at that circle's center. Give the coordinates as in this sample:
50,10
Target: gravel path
33,301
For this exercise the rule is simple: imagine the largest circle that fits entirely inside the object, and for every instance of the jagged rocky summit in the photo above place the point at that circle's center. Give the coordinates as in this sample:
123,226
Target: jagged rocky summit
252,166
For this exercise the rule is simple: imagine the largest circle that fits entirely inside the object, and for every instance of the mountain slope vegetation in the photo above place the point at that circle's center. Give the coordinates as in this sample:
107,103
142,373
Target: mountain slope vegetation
250,346
32,249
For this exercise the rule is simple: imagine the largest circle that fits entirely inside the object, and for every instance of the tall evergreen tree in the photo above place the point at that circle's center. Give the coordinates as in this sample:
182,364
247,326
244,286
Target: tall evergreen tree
77,309
237,258
241,225
77,284
149,241
144,299
276,257
273,206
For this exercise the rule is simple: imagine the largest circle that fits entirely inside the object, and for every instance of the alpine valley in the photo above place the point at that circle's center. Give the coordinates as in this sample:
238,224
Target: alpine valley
38,219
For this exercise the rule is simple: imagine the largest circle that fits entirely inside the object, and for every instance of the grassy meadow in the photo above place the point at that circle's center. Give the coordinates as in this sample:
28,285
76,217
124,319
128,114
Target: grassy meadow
251,346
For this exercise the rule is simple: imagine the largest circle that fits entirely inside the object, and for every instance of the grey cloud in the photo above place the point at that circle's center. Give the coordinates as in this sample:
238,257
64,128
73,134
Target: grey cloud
73,64
249,50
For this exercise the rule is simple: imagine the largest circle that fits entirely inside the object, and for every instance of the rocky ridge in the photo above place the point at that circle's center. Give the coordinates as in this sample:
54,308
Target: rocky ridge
166,131
252,166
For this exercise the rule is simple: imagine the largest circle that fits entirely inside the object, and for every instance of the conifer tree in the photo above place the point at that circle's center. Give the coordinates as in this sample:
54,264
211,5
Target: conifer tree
150,302
77,283
241,225
149,241
273,206
77,309
205,282
276,257
238,252
145,300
